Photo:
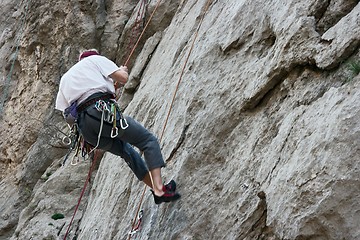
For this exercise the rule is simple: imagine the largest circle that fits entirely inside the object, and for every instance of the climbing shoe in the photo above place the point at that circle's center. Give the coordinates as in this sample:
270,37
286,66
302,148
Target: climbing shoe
169,194
171,186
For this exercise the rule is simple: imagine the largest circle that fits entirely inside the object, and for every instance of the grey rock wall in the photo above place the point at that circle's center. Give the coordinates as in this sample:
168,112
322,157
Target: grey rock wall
262,138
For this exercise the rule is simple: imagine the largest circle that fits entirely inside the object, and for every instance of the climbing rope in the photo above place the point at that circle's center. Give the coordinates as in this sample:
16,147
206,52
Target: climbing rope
135,29
82,192
184,66
94,160
17,48
142,33
171,105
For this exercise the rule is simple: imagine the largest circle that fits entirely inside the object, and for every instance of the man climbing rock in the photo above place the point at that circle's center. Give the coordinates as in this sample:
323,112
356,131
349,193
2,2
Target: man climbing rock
88,89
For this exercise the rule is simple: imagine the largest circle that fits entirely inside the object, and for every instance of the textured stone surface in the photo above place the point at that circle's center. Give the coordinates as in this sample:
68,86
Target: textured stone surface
262,138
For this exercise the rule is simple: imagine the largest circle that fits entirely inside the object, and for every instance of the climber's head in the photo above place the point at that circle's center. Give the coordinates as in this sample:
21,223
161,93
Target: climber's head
87,53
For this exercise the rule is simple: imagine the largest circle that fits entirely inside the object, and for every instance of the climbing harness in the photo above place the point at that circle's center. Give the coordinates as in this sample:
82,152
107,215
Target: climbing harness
109,111
71,114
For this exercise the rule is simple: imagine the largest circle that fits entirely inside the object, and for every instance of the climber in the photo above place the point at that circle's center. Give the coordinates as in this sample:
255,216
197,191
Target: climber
87,89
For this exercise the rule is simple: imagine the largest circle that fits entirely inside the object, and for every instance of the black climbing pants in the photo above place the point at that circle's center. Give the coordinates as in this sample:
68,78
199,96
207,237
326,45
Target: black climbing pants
89,121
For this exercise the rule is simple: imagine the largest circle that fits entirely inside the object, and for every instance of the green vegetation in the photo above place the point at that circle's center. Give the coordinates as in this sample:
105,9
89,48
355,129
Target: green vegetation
46,177
354,67
57,216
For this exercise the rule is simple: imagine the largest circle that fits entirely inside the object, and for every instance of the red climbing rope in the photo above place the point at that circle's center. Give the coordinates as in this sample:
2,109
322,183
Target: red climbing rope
184,66
133,225
172,101
83,191
135,29
142,33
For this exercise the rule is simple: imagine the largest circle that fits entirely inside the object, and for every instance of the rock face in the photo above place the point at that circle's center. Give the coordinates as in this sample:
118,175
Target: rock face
262,138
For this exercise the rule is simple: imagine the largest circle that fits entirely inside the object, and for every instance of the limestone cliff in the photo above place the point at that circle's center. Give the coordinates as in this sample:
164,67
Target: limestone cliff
263,136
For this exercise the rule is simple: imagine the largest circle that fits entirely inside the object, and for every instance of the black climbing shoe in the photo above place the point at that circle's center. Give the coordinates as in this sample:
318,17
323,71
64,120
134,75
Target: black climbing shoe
169,194
171,186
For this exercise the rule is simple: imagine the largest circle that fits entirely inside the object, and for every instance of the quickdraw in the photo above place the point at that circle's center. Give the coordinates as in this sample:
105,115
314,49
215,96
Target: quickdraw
114,130
137,226
75,141
109,112
71,140
123,123
107,115
76,159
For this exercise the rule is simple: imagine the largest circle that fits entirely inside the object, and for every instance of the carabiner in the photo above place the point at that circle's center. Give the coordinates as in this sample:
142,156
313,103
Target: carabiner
137,227
99,105
114,132
75,160
123,124
110,118
66,141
